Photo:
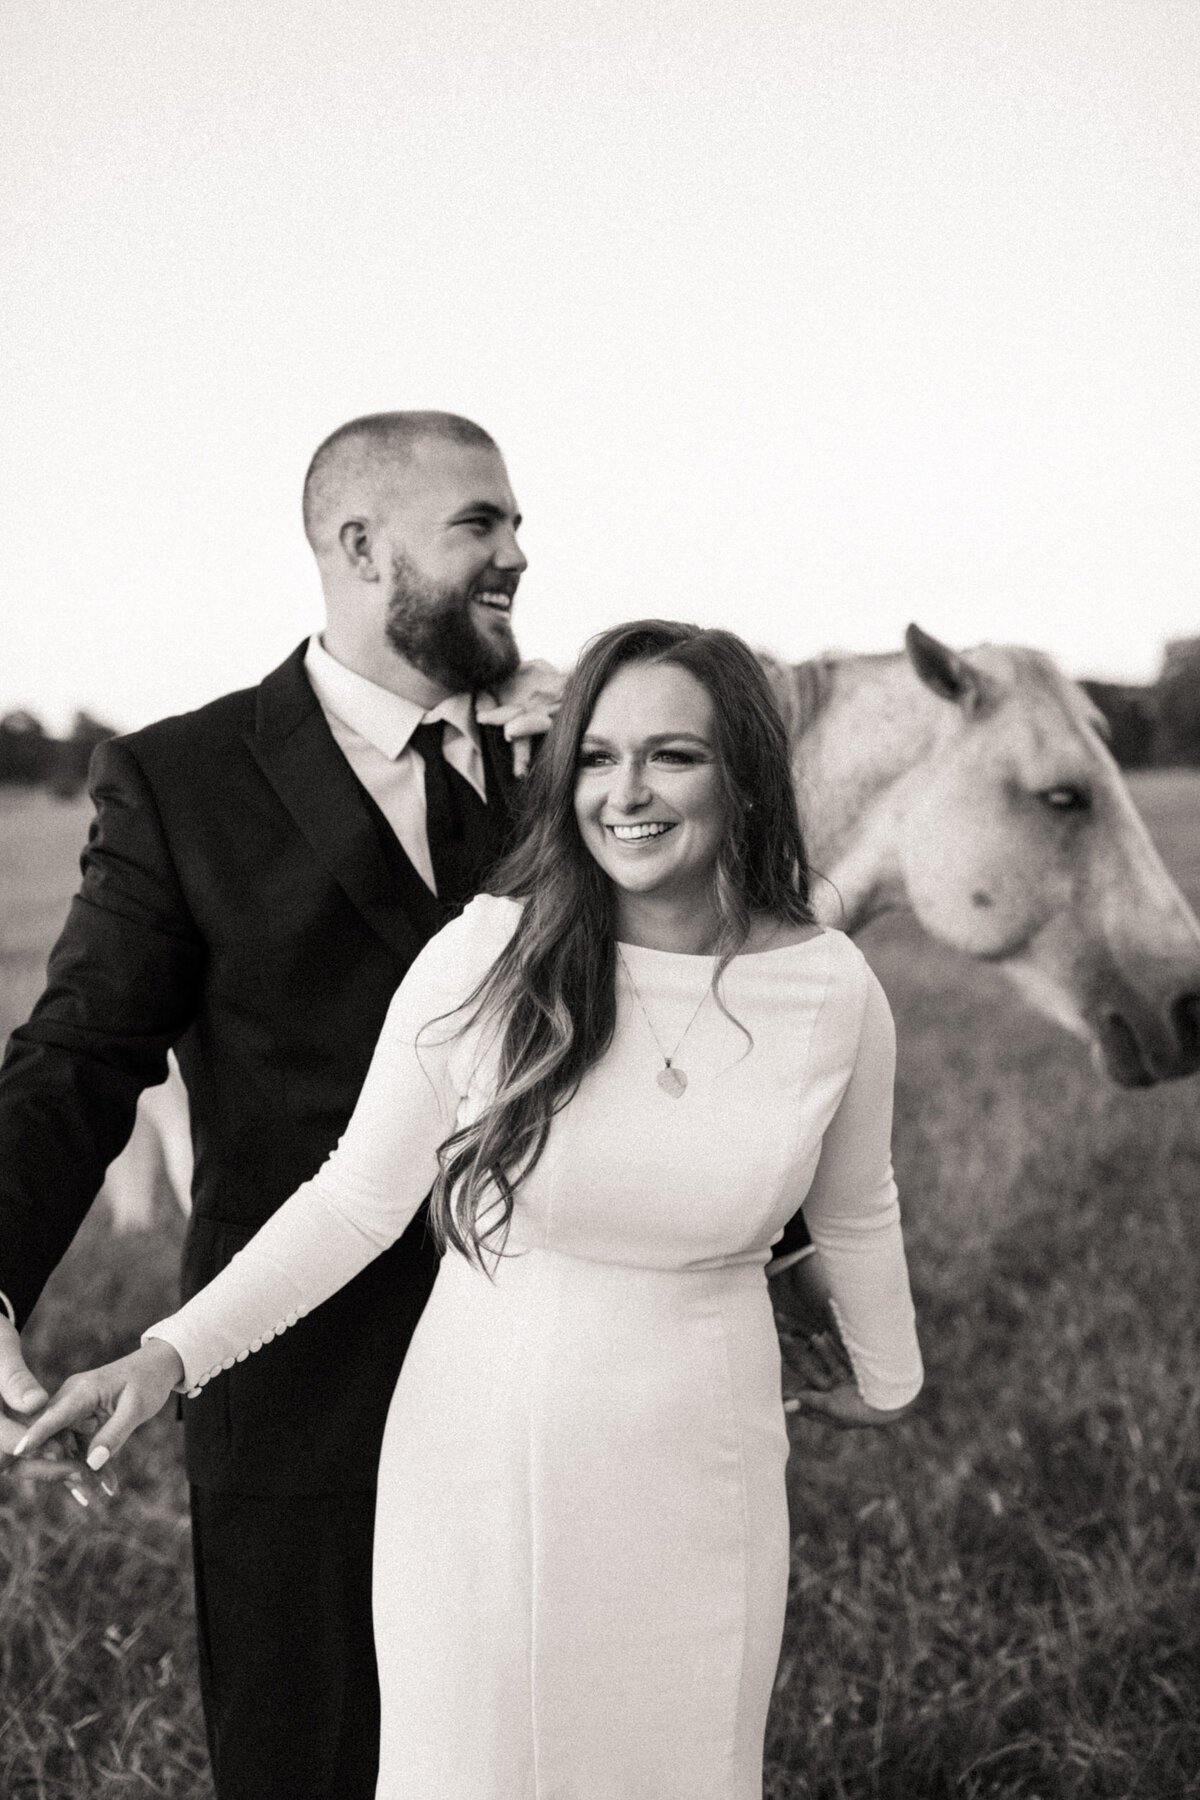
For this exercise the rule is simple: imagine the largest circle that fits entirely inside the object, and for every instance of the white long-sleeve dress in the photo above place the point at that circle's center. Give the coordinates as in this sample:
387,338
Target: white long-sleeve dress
581,1547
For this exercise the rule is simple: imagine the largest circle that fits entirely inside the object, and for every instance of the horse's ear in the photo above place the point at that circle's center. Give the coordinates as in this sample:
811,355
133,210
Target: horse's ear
948,674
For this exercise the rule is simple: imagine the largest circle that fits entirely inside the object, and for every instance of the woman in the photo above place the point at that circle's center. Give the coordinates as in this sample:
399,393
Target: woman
620,1074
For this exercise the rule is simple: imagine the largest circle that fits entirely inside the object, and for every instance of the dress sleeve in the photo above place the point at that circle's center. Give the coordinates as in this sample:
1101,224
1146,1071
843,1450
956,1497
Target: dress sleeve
853,1213
364,1195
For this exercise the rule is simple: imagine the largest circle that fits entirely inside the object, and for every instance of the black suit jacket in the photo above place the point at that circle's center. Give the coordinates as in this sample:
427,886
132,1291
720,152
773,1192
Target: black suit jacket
243,901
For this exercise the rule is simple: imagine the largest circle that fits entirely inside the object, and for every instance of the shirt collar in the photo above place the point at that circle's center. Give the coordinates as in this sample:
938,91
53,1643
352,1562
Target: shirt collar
384,719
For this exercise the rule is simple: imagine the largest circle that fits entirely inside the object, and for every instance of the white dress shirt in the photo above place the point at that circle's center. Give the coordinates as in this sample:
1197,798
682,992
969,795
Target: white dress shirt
372,727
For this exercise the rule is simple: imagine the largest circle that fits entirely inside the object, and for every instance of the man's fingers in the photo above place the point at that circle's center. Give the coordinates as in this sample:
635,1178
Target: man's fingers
42,1468
814,1400
801,1299
528,725
829,1352
521,721
845,1406
833,1404
37,1468
538,708
818,1361
534,683
499,715
18,1387
525,720
23,1392
521,726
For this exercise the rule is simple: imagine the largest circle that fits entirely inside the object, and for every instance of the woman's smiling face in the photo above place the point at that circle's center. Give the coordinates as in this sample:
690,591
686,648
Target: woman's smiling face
649,795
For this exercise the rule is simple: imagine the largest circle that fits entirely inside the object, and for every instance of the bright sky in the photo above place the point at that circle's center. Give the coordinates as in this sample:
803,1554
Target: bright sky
806,317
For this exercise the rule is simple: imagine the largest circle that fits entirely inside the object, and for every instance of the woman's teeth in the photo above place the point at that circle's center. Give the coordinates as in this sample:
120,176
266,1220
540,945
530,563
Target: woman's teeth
629,834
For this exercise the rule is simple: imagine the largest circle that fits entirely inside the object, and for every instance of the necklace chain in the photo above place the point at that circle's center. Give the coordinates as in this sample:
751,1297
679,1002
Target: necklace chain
668,1060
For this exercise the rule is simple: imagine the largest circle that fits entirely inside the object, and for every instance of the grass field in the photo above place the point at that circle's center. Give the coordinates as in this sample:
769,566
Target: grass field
999,1598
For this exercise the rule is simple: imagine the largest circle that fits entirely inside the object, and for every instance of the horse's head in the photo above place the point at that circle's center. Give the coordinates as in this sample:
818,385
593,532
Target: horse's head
1018,842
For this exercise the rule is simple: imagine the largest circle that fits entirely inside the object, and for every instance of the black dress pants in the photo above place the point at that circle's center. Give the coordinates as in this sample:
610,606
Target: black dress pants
287,1655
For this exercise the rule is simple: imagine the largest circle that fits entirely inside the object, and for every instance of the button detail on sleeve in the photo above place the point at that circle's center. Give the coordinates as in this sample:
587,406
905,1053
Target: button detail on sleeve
257,1343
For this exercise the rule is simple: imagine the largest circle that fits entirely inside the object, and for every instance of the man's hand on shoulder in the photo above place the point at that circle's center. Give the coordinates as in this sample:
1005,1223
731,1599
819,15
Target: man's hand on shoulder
524,706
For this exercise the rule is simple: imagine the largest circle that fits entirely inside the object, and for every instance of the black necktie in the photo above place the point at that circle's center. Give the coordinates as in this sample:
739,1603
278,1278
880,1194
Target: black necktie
457,826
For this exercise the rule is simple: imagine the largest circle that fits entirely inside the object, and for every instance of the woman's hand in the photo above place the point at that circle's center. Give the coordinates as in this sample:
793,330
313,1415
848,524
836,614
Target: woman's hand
843,1405
124,1394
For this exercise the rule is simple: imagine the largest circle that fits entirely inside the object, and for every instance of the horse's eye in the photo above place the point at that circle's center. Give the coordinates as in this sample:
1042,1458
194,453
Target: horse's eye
1065,798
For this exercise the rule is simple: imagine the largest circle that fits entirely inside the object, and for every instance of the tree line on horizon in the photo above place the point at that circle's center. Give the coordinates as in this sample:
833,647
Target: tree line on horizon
31,757
1154,725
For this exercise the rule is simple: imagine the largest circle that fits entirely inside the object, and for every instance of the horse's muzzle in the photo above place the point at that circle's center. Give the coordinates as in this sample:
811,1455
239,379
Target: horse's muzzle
1141,1048
1185,1017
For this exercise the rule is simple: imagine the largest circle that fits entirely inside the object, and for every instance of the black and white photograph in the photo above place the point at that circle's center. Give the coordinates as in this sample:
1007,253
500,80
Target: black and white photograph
599,870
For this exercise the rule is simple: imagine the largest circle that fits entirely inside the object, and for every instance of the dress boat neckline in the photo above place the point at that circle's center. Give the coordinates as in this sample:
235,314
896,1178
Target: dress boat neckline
698,956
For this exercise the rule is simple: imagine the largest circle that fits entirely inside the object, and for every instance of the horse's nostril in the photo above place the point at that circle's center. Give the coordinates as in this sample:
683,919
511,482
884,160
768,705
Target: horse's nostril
1185,1017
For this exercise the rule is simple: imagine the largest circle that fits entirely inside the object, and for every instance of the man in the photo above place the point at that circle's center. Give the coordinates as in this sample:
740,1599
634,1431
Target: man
258,878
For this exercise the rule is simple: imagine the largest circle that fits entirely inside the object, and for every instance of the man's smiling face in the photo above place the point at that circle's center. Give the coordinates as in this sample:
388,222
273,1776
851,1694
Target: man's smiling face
455,563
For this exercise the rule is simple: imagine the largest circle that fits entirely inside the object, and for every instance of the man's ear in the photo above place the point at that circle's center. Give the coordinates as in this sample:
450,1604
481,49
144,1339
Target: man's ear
358,549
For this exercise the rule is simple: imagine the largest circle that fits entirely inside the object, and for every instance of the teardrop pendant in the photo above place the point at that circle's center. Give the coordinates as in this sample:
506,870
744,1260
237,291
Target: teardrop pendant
671,1080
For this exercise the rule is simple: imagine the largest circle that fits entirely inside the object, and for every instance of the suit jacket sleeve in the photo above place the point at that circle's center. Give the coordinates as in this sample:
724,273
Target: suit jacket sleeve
122,986
370,1188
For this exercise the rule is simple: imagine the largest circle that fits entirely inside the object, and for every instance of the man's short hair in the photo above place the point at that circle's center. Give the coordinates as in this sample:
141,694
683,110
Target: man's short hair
367,451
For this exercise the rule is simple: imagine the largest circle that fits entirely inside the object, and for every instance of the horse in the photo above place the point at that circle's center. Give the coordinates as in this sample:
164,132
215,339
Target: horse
975,789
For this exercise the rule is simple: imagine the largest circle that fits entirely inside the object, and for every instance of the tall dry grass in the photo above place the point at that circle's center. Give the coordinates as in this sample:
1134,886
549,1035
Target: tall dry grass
97,1661
999,1598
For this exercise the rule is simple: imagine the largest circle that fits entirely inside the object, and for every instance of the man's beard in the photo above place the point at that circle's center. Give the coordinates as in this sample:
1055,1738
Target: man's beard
432,625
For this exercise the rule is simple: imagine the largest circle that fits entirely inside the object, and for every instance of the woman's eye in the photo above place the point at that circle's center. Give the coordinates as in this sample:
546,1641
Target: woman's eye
594,759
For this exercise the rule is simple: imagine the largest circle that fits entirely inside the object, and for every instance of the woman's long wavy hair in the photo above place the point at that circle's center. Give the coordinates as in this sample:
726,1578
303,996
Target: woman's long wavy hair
551,995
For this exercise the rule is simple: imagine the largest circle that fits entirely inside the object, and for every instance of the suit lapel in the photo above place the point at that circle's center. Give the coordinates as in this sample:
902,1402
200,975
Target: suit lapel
295,750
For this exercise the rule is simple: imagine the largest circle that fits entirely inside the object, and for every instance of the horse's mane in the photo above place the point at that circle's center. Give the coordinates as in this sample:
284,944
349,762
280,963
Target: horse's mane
802,690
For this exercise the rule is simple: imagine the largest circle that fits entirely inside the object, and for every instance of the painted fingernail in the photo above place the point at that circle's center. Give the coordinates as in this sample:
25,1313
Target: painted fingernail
97,1458
77,1494
18,1449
